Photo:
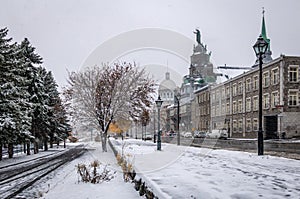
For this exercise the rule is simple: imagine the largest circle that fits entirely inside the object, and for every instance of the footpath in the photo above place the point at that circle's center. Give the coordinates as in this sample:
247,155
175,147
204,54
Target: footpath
191,172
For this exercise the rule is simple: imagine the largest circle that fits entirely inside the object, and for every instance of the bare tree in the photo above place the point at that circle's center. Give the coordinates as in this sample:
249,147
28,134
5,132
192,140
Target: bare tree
99,96
81,97
123,91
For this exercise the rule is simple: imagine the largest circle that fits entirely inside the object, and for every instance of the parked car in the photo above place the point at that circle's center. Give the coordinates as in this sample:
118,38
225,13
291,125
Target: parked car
199,134
218,134
148,136
188,135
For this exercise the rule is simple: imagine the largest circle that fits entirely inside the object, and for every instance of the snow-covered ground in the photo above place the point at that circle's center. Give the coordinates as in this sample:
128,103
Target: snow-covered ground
66,182
178,172
188,172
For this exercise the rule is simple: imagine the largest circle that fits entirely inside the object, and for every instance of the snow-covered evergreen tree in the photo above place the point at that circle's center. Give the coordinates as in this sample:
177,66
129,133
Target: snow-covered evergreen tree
57,119
30,107
14,106
27,60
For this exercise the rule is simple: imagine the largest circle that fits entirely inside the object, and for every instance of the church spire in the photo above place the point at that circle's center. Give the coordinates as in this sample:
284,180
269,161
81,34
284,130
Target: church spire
263,29
268,54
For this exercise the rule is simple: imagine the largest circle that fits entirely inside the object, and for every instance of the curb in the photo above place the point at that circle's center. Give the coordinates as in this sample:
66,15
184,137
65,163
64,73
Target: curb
142,185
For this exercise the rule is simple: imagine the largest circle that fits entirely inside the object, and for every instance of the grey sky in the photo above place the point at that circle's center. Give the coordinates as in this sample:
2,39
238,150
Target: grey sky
66,32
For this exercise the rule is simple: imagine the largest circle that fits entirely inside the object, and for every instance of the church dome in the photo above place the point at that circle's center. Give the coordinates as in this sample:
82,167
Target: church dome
167,84
166,89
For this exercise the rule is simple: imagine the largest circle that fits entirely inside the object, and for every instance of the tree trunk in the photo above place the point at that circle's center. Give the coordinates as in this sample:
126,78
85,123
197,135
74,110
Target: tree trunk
51,141
28,148
1,151
45,144
104,140
10,150
24,147
36,147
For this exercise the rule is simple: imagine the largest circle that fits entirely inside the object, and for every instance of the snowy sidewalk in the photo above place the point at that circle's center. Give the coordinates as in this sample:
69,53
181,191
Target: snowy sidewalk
189,172
65,183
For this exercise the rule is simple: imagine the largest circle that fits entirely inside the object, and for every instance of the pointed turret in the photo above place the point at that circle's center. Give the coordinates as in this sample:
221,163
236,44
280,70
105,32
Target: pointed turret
263,30
267,57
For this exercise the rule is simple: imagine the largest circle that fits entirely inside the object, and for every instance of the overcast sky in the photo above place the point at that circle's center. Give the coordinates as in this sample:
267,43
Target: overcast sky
66,32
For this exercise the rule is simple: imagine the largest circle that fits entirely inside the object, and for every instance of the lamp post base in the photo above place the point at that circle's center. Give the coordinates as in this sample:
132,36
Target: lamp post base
159,142
260,143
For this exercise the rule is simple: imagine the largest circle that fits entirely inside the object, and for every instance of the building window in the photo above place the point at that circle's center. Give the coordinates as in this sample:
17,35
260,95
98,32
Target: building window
227,108
240,106
217,95
223,93
213,111
234,107
240,126
248,84
217,110
248,125
266,78
255,124
293,97
213,97
275,76
248,104
234,90
255,103
274,99
293,73
266,101
240,88
227,91
234,125
223,107
255,82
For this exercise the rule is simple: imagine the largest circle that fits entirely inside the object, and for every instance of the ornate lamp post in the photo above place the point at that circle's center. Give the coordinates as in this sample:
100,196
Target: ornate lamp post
158,105
260,48
177,102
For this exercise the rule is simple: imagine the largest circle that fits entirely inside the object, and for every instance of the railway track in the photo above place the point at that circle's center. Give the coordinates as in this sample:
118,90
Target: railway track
15,179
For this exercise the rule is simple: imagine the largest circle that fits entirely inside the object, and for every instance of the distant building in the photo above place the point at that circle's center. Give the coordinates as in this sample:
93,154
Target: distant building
234,103
200,75
166,91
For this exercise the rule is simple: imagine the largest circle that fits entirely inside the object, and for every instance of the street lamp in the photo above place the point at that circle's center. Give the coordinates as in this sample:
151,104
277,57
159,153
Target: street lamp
158,105
177,102
260,48
154,134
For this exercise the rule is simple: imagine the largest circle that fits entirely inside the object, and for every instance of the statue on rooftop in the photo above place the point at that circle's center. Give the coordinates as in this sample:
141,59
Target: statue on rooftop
198,36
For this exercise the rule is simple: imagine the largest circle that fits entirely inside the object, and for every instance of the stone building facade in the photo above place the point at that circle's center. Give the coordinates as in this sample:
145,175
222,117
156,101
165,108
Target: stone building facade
201,109
234,103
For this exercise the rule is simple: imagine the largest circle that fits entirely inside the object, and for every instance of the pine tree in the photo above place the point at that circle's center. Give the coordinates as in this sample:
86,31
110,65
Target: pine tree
5,53
39,113
14,106
52,103
27,59
30,106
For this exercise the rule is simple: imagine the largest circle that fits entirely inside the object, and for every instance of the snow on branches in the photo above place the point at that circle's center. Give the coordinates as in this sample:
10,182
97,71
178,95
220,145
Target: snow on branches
110,93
